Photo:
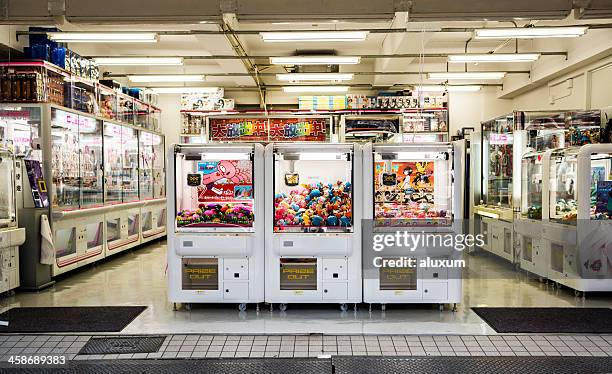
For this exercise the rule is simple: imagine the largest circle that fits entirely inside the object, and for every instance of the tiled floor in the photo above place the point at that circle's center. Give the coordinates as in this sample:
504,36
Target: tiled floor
139,278
215,346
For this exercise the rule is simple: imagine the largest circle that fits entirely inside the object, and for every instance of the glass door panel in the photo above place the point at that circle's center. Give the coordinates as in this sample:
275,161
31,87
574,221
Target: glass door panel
65,159
159,173
113,163
146,165
129,140
90,134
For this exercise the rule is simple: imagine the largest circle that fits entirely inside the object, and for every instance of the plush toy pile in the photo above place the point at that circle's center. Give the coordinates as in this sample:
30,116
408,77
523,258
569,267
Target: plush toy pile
217,214
568,209
404,214
319,205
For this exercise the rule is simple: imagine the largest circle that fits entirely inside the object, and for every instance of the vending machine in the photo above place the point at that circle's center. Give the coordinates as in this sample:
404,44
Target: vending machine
413,191
216,234
313,224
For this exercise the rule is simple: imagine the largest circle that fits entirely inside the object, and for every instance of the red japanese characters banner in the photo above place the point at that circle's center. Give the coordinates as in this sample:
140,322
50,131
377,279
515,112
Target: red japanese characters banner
269,130
298,129
238,129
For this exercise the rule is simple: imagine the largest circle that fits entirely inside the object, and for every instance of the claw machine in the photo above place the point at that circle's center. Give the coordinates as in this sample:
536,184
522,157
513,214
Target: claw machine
578,232
415,191
216,240
313,223
152,185
11,236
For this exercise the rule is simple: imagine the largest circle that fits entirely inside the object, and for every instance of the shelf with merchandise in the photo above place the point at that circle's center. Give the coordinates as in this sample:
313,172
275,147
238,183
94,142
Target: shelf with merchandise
38,81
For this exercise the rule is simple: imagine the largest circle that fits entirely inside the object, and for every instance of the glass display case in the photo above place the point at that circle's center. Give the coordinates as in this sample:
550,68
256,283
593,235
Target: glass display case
141,114
121,165
76,148
563,183
145,170
20,130
425,126
313,190
107,103
214,191
532,184
412,186
545,130
497,139
8,210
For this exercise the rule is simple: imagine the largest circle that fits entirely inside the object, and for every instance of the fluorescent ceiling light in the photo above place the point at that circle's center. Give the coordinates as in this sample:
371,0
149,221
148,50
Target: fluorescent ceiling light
495,57
471,88
296,77
164,90
315,89
139,60
103,37
315,60
530,32
166,78
468,75
314,36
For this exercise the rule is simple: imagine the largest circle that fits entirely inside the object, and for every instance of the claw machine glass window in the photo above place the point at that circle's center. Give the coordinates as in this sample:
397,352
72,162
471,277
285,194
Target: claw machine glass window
65,160
563,177
215,192
532,184
497,138
563,198
412,187
146,165
129,141
313,191
20,131
159,171
90,139
113,163
601,186
8,213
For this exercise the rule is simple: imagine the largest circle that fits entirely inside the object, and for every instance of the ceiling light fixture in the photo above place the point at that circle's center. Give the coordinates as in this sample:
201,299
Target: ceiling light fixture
326,89
108,61
488,75
314,36
169,90
530,32
494,57
297,77
166,78
440,88
315,60
103,37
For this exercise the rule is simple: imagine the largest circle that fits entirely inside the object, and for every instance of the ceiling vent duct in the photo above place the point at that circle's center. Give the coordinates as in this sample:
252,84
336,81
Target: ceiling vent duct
478,10
593,9
319,68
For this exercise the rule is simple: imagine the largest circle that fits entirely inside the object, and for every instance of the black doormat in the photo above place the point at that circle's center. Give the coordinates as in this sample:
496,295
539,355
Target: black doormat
548,320
122,344
189,366
69,319
474,365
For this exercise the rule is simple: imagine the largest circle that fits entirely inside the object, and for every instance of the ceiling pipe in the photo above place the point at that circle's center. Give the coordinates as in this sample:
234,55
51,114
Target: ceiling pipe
357,73
366,56
370,30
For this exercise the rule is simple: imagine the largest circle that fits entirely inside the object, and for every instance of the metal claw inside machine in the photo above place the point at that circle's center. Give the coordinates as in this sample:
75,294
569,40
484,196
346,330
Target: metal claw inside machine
216,244
313,223
412,191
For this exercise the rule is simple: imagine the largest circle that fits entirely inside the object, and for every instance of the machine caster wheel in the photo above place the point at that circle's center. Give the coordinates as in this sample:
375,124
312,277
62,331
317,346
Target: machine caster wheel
370,308
174,307
441,307
454,308
344,307
271,307
242,307
257,307
282,307
188,307
383,307
355,307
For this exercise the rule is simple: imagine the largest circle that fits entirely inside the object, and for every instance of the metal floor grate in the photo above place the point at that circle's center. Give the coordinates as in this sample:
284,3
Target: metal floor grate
122,344
484,365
